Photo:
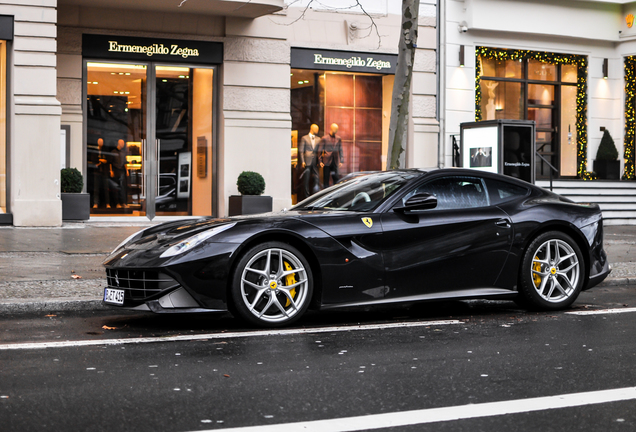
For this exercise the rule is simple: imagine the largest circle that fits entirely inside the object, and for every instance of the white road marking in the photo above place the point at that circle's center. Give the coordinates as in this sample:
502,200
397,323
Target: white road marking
445,414
602,311
229,335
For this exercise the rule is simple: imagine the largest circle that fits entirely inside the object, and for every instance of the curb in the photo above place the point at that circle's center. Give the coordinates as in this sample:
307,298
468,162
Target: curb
618,281
50,306
24,306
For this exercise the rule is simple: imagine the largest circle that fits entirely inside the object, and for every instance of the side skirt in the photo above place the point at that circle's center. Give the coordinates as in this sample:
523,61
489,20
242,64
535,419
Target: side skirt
479,293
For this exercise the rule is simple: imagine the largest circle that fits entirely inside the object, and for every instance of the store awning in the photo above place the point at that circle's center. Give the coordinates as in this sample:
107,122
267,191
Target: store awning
234,8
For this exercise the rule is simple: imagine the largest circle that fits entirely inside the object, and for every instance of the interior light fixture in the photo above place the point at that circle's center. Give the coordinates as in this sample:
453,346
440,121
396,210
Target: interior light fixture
461,56
605,68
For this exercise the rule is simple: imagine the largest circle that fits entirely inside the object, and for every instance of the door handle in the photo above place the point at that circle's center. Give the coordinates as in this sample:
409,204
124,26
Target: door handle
158,159
144,162
503,223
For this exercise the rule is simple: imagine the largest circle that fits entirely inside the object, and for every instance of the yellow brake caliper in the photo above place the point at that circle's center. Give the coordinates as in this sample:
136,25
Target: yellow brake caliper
290,280
537,268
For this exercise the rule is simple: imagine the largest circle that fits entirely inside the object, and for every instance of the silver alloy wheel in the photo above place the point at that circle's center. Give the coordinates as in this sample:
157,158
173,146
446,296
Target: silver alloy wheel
274,285
555,270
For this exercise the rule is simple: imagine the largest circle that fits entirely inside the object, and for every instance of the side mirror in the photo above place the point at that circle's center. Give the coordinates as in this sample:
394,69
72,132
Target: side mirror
419,201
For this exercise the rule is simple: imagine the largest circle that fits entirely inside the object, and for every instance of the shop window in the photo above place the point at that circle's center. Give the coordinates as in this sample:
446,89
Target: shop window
502,100
3,128
540,71
502,68
534,90
353,102
150,160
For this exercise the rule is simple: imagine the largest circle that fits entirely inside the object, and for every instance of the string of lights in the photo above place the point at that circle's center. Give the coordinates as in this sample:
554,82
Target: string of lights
581,93
630,121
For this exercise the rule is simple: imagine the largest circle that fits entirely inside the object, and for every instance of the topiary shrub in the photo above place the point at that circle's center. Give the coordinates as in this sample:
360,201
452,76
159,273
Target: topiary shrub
250,183
72,180
607,150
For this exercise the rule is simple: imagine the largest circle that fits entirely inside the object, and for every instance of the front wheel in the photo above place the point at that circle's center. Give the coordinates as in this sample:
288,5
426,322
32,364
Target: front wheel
552,272
272,285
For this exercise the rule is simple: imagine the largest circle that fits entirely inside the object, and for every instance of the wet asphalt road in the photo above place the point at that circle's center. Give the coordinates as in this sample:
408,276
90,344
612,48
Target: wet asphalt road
453,354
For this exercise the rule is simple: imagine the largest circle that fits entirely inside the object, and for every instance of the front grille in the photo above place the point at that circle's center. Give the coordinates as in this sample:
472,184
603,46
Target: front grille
139,284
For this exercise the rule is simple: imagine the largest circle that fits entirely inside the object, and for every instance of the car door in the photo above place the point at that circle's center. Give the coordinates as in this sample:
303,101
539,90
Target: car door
462,244
351,257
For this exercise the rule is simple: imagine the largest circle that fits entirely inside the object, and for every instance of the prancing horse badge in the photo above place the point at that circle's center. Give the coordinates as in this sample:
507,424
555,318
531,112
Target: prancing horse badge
368,222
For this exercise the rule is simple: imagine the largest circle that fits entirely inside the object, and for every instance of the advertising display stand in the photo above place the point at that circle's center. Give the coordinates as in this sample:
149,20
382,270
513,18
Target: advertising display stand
500,146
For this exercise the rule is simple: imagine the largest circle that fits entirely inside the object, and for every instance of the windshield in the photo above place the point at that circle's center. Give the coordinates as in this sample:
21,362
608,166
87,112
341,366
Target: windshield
358,194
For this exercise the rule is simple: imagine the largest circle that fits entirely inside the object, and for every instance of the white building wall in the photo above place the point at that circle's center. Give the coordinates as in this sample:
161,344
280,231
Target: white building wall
590,29
256,116
34,113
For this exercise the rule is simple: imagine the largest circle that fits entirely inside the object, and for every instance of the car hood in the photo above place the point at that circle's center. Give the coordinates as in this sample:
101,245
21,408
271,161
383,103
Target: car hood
172,232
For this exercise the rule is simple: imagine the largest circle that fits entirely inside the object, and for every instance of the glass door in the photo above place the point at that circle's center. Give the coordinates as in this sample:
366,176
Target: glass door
183,133
116,136
541,109
150,140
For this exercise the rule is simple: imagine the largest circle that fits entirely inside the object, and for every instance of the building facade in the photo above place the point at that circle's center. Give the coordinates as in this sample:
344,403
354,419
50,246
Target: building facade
162,105
567,65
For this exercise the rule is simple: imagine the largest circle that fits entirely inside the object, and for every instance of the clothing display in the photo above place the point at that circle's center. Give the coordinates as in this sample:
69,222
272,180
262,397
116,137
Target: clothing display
308,157
331,157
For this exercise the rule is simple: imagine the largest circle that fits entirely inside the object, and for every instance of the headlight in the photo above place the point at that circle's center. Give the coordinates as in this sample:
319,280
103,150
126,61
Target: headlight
191,242
130,238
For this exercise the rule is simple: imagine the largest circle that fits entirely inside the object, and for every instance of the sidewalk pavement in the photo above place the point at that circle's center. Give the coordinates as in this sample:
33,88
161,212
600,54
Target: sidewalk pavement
59,269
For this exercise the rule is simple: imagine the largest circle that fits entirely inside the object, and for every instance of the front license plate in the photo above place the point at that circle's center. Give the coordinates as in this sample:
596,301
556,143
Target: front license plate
114,296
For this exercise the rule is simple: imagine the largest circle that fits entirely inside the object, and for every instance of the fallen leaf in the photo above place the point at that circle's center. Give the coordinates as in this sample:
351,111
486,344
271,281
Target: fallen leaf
226,375
76,276
105,327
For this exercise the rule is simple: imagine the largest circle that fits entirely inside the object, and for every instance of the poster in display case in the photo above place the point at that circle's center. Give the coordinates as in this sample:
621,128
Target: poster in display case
500,146
183,175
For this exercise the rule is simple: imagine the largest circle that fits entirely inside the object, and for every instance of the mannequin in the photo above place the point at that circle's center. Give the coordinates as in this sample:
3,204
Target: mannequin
119,173
490,106
102,170
308,157
331,157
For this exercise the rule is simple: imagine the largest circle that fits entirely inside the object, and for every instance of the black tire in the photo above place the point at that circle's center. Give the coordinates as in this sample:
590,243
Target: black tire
552,272
259,291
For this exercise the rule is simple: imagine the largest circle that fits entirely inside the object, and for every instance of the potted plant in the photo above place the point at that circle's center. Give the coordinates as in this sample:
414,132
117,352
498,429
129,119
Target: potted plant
75,204
607,166
251,186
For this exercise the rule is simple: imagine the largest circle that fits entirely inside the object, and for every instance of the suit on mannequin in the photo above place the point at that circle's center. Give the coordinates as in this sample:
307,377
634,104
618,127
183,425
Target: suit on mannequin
119,173
308,155
331,157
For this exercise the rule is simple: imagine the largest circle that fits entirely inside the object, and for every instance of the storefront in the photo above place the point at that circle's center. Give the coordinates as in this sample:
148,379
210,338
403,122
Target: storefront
161,106
6,34
539,86
150,125
351,90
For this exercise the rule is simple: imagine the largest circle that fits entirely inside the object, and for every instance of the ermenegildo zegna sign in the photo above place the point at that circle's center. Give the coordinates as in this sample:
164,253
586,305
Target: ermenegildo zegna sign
305,58
151,49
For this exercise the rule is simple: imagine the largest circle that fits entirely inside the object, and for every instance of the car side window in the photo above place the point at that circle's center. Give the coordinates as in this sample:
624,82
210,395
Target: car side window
454,193
501,191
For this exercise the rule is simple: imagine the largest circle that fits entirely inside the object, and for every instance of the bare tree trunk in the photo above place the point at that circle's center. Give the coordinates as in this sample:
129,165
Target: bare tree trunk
398,126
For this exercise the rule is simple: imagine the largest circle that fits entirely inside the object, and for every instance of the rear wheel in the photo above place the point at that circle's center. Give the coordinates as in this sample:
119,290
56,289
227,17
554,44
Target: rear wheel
552,272
272,285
